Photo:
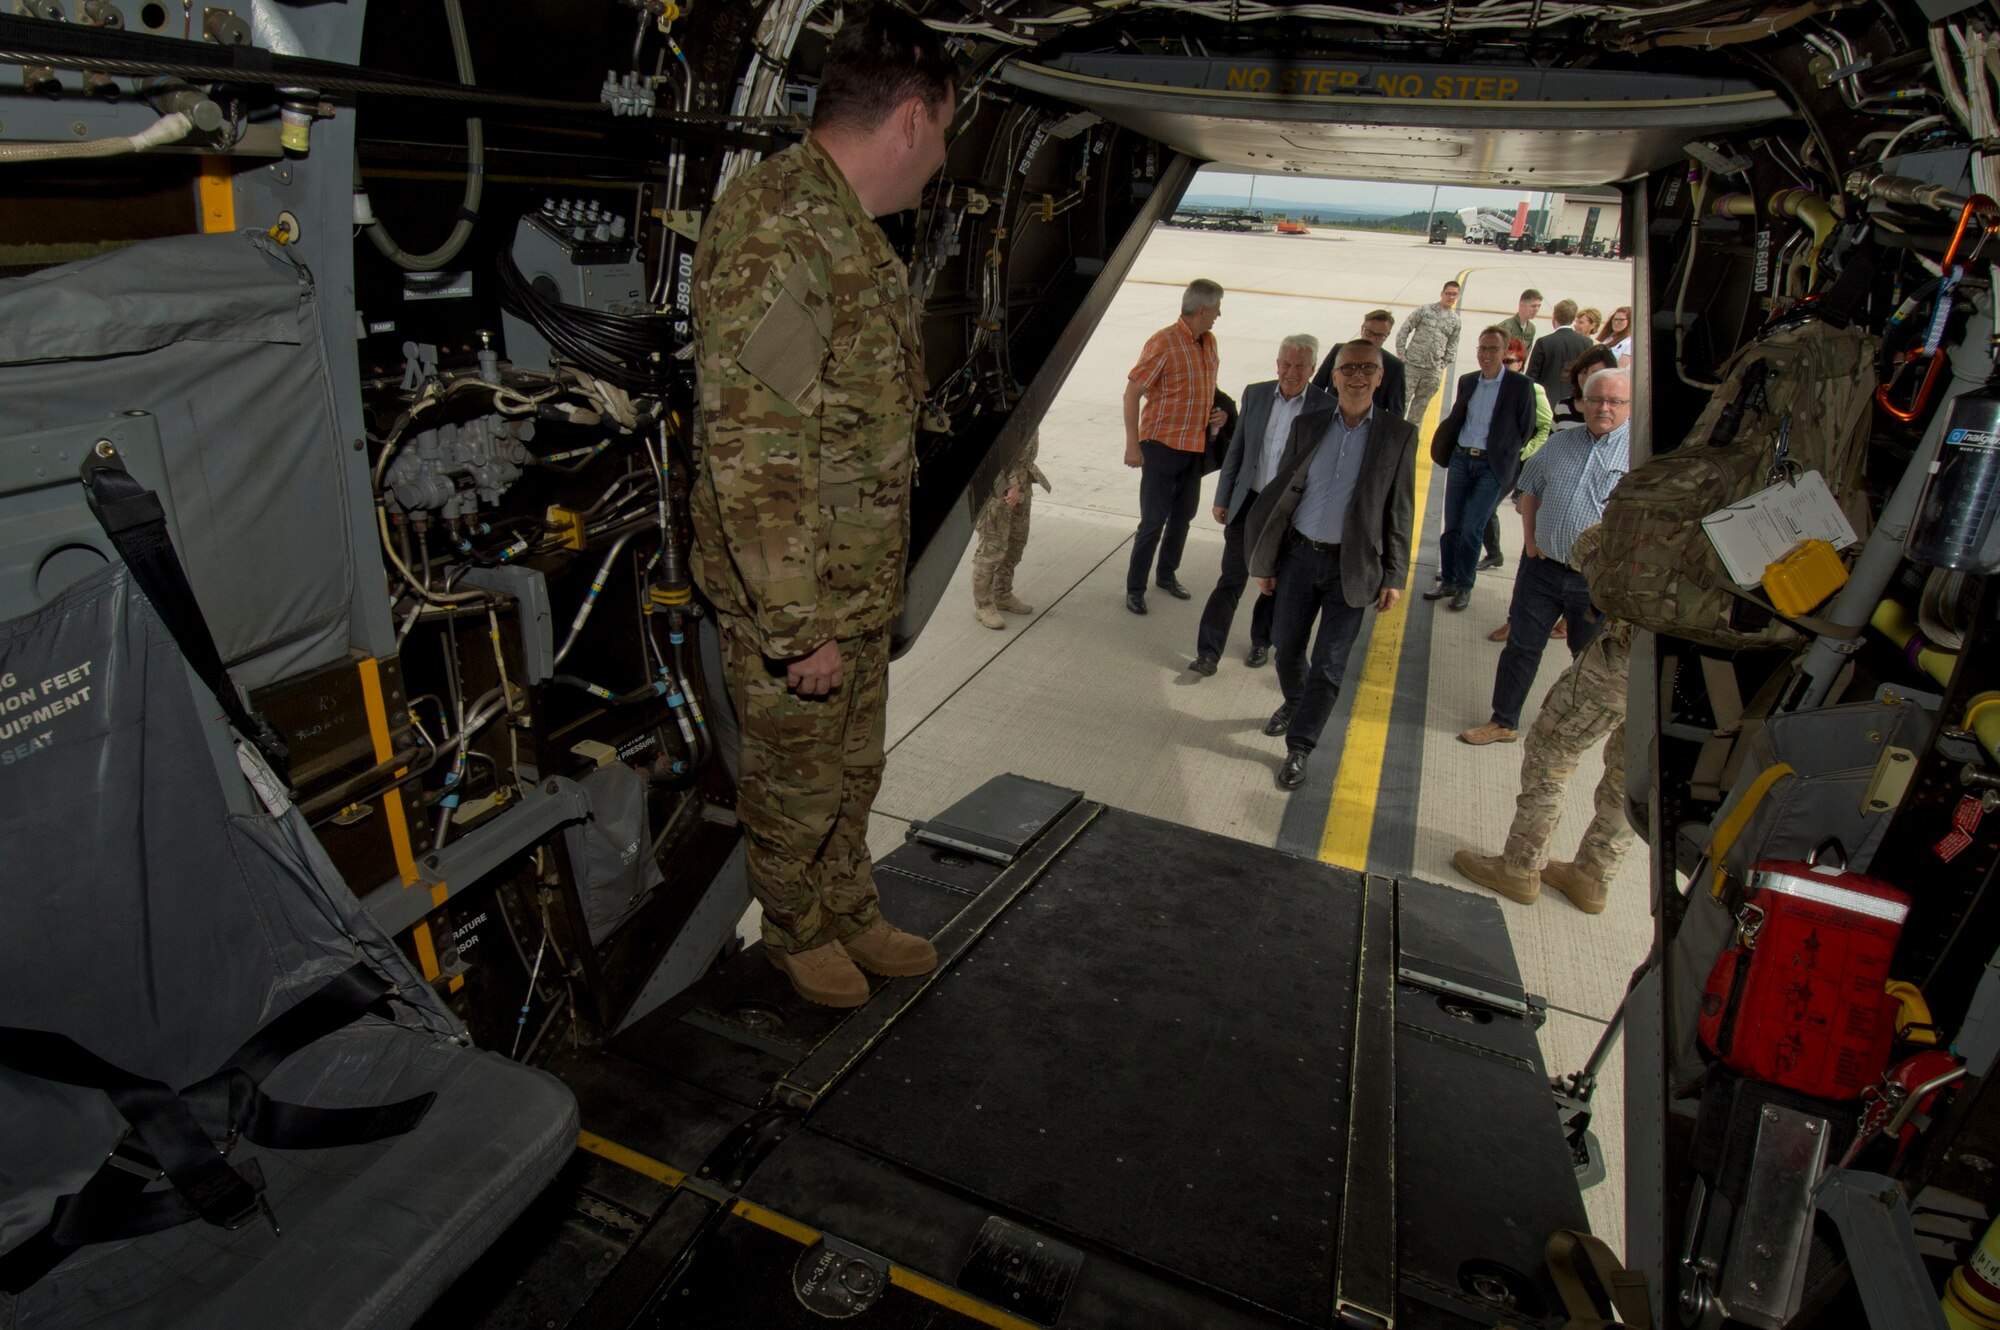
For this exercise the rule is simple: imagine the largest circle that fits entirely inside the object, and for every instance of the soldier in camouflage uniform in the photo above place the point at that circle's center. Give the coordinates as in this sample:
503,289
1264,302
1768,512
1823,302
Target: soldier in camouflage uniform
1586,704
1003,535
1428,344
810,381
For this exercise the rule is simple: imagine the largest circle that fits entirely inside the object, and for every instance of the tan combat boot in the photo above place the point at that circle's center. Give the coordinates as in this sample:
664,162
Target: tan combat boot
1012,603
989,616
1491,871
886,949
822,974
1585,892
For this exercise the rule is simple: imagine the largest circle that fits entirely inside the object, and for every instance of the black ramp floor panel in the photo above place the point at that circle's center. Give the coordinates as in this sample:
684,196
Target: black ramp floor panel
1148,1050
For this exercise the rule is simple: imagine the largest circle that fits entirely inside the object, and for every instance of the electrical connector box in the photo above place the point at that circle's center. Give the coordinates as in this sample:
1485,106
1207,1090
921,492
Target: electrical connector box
566,526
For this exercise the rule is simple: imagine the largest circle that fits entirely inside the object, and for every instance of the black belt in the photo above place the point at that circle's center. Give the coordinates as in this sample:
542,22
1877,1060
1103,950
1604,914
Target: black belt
1474,452
1323,546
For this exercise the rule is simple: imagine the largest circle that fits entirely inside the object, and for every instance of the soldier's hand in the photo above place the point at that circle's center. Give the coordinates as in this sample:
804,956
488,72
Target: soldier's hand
1134,455
1266,585
1386,599
1219,513
817,674
1013,499
1218,418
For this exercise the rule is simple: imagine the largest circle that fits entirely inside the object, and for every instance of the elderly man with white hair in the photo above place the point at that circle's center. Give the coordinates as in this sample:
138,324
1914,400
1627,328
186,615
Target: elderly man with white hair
1563,489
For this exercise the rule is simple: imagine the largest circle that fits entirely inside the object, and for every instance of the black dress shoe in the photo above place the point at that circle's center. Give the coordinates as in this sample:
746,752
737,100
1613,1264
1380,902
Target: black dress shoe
1204,665
1135,603
1258,657
1173,588
1492,561
1292,771
1461,599
1281,720
1440,591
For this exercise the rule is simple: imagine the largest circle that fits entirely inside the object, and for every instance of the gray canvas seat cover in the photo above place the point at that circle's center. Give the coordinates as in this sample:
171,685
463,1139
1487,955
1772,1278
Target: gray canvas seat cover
158,930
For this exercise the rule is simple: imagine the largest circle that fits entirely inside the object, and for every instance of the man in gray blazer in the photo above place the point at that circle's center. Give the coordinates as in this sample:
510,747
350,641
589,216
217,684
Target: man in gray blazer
1330,536
1553,354
1268,410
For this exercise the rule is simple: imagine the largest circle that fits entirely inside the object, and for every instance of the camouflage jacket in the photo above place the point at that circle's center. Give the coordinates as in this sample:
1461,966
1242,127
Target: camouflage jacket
1024,471
1518,329
1428,339
810,378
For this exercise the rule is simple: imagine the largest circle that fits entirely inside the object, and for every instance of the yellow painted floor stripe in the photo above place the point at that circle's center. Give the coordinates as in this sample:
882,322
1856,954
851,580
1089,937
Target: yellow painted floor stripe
1350,814
909,1280
645,1165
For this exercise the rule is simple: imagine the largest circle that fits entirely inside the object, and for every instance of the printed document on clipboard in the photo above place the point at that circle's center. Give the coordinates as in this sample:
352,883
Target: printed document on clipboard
1756,532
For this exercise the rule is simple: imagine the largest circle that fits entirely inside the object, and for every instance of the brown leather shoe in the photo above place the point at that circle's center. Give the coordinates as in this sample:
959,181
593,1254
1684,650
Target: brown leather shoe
882,948
1489,733
1012,603
1560,631
1585,892
822,974
1491,872
1499,634
988,615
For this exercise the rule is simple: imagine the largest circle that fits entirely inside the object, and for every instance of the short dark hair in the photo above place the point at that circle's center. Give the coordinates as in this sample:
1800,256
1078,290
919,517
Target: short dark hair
1359,344
1531,294
1565,311
1450,286
881,57
1378,316
1495,331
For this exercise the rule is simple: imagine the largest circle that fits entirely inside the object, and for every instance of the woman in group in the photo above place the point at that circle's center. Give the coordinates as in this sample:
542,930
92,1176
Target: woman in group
1617,334
1588,320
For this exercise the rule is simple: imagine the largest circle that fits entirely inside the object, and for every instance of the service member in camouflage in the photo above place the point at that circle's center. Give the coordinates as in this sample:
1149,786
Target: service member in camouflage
1003,535
1586,704
1520,325
810,381
1428,344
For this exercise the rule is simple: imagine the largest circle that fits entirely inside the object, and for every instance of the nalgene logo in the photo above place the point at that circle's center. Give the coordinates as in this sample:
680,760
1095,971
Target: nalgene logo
1973,438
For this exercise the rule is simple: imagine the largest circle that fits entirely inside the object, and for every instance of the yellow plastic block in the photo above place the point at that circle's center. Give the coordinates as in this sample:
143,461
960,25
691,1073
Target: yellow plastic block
1803,579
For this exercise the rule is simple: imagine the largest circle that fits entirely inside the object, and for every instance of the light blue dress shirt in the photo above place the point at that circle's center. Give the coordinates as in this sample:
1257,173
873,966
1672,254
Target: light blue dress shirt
1330,477
1479,411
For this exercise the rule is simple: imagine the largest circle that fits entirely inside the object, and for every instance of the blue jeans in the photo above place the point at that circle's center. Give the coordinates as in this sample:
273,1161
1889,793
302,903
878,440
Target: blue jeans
1309,589
1471,493
1544,590
1169,491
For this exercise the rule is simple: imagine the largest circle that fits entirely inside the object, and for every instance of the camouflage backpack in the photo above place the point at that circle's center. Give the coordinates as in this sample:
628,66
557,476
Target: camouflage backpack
1794,401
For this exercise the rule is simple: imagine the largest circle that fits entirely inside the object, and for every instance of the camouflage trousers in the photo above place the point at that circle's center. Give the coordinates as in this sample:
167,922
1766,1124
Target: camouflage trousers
1422,385
1585,704
1003,535
809,773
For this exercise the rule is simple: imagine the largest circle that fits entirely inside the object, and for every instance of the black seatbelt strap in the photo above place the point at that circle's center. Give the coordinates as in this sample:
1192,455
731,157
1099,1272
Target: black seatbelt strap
132,516
167,1137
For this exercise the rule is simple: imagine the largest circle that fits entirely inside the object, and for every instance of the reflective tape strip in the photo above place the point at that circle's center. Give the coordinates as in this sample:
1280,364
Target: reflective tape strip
1825,893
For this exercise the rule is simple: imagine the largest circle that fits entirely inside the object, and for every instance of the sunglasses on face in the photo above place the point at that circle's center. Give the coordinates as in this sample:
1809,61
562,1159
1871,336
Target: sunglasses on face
1356,371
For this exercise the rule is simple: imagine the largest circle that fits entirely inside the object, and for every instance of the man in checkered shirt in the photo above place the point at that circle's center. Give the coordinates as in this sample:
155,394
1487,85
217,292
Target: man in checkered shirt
1175,377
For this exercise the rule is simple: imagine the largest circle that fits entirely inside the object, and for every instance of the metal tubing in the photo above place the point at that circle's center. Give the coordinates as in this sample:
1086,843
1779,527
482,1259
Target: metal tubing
1971,366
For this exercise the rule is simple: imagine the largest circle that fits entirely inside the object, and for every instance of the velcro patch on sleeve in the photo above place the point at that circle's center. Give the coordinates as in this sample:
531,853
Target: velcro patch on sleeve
788,348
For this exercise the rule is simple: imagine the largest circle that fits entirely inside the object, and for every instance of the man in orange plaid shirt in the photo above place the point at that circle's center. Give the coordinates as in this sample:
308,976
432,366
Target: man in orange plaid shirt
1176,378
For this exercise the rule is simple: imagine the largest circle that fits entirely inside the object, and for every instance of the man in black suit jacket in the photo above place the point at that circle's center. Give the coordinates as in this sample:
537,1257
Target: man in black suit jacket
1480,445
1554,353
1376,325
1332,536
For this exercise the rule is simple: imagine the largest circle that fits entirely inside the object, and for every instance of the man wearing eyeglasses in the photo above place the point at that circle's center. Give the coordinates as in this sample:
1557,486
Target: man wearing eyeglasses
1563,489
1331,536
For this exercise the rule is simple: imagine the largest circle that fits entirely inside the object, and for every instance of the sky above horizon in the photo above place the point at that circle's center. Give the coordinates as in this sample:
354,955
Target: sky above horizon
1357,193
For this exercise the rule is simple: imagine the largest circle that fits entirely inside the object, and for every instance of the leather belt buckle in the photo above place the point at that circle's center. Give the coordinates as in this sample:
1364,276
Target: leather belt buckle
1475,452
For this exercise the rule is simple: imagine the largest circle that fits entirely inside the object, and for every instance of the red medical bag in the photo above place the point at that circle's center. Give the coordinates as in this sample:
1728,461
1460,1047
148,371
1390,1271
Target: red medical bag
1798,1001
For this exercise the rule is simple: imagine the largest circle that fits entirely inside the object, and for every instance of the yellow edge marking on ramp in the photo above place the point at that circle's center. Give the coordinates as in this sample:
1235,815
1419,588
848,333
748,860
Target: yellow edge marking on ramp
625,1157
1350,814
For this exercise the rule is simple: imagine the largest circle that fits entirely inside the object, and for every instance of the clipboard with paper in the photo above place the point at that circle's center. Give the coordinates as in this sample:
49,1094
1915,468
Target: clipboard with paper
1752,534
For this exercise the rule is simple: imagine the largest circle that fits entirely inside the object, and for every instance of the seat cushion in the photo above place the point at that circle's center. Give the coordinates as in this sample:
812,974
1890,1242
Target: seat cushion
371,1234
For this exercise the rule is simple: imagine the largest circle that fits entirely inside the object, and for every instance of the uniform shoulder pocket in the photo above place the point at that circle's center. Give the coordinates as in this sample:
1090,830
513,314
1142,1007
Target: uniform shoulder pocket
788,347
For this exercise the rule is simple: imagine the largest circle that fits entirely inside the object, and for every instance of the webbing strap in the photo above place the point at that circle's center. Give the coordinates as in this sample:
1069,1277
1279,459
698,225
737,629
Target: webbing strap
1732,826
1594,1286
167,1137
132,517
